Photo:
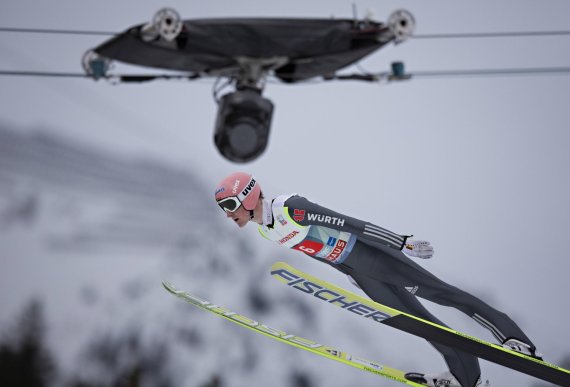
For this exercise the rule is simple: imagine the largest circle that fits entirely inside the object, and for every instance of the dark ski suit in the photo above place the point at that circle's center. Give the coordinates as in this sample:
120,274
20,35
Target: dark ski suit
372,256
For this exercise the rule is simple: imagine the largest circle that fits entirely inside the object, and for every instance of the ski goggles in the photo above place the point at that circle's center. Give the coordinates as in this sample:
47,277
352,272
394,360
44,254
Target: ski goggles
230,204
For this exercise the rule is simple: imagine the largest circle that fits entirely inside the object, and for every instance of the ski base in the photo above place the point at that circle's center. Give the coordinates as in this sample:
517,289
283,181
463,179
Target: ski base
296,341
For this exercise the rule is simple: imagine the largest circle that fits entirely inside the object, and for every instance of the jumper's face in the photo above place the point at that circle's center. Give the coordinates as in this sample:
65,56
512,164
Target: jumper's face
240,216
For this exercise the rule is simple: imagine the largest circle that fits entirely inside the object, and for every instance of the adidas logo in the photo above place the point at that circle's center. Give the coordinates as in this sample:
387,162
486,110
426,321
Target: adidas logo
412,289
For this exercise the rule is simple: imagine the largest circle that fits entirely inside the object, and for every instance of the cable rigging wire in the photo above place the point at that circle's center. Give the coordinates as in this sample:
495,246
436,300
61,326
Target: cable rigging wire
110,77
43,74
366,76
362,77
490,34
492,72
418,36
55,31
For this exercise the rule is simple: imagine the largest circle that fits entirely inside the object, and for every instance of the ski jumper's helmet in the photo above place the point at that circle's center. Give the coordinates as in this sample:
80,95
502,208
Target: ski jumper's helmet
241,186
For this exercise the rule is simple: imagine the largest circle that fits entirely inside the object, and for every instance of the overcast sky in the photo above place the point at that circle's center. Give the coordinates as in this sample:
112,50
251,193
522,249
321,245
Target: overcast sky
478,166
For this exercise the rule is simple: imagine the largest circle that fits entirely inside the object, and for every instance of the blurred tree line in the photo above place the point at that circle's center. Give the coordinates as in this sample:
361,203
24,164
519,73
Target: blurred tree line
26,361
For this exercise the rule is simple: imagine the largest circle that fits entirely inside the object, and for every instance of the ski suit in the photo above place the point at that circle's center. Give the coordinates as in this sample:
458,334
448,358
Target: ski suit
372,257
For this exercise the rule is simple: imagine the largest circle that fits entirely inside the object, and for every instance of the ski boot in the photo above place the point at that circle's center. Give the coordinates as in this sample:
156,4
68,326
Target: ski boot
444,379
522,347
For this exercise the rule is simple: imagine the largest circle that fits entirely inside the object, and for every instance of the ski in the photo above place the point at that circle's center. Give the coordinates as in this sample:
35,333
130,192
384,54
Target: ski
379,313
296,341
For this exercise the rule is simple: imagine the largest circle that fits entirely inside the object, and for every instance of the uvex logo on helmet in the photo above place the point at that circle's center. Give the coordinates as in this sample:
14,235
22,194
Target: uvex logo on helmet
249,187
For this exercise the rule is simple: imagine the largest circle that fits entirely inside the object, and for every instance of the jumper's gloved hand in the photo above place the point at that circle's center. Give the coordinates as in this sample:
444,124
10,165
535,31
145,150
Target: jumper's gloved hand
418,249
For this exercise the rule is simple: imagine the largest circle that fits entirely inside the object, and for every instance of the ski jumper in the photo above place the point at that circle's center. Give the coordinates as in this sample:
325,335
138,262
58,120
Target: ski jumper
372,257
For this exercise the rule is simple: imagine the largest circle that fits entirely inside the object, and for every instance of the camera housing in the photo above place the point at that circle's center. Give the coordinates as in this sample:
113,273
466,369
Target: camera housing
242,125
